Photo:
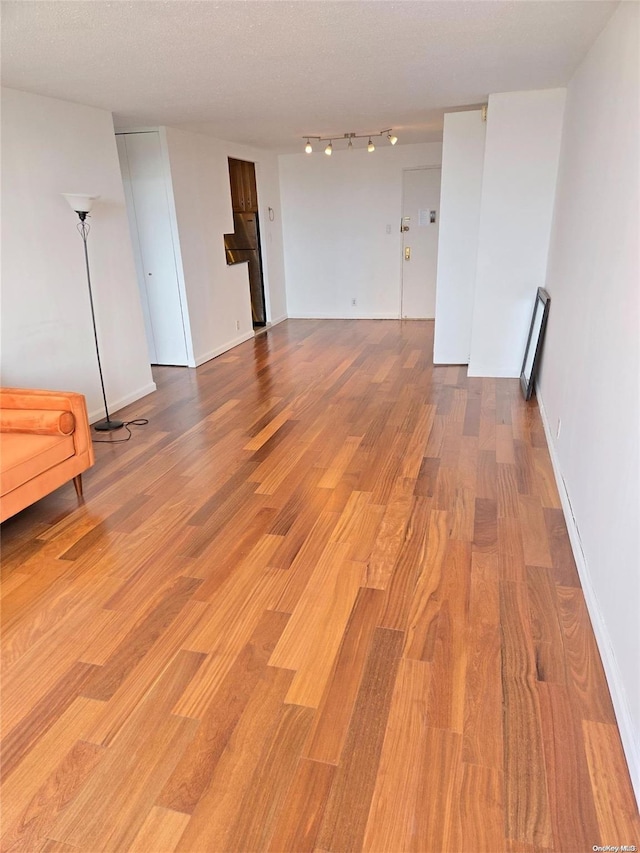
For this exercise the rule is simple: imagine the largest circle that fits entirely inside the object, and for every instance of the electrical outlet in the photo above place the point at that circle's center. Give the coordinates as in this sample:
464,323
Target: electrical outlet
559,427
354,302
237,325
388,229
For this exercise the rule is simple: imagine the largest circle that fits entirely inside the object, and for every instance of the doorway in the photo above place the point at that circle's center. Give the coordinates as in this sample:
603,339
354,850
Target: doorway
243,246
152,242
420,223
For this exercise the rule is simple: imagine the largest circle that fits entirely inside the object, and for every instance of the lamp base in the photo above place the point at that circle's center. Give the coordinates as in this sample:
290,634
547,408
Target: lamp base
107,425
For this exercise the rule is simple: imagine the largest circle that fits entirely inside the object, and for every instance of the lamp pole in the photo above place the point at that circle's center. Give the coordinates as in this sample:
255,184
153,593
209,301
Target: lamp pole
82,205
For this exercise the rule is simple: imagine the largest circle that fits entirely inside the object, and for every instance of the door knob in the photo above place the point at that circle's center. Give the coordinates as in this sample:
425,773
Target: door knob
407,253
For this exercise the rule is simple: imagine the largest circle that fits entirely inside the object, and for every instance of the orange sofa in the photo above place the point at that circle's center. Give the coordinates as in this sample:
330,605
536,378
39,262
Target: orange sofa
45,441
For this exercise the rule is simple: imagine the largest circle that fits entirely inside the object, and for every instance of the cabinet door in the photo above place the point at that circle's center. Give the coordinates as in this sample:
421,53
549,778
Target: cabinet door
237,185
249,185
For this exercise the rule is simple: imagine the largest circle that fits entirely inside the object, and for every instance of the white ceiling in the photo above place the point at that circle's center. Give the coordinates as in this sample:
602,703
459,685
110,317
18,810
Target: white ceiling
265,72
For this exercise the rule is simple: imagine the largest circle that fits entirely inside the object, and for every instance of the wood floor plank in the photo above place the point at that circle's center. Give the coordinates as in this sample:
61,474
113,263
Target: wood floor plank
482,742
546,631
445,708
51,846
118,711
264,795
505,451
425,608
390,536
161,831
510,551
104,681
332,475
584,666
313,635
59,789
479,822
427,476
43,715
41,761
392,821
527,815
487,475
215,815
347,809
226,642
141,761
507,491
303,807
301,558
573,813
440,790
191,776
44,665
329,732
534,532
615,807
565,571
325,599
409,564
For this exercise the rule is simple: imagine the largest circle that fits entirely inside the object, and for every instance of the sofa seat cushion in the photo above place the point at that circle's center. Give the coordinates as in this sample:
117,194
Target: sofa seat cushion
26,456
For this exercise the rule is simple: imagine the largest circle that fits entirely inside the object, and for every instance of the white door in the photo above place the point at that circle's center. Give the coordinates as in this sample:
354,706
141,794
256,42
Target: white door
420,218
148,210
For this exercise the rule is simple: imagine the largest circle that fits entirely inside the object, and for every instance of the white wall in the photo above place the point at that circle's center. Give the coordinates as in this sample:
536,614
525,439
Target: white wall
50,147
462,166
336,213
590,371
519,177
218,295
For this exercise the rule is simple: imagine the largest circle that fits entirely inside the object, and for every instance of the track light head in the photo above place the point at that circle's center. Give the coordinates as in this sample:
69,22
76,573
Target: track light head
388,132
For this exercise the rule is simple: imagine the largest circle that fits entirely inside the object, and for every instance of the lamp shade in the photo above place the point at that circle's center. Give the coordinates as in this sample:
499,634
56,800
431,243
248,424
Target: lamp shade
79,202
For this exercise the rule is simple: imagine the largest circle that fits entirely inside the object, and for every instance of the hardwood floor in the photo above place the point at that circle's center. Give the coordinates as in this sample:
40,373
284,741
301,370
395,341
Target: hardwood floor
324,601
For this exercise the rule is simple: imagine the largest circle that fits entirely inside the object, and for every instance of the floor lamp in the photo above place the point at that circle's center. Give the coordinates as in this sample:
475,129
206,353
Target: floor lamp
82,204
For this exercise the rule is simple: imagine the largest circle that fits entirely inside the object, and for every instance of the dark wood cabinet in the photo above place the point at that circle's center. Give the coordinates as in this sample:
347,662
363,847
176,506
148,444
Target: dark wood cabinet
242,176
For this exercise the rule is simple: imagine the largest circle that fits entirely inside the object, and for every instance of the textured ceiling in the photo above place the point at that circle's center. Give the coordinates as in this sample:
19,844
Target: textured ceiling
266,72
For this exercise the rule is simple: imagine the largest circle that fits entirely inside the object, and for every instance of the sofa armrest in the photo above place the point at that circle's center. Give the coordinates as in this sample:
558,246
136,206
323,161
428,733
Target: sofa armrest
28,398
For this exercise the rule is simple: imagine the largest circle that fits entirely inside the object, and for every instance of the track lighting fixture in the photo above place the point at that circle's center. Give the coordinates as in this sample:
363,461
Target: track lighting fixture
350,137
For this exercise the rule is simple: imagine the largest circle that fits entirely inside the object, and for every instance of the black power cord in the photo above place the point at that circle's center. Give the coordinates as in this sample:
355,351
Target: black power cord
126,425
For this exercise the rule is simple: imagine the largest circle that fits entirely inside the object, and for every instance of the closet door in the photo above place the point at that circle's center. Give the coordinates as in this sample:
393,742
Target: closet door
149,217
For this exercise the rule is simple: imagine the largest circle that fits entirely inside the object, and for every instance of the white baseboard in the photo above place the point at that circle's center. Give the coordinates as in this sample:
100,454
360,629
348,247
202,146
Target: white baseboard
603,639
207,356
312,316
116,405
491,372
278,320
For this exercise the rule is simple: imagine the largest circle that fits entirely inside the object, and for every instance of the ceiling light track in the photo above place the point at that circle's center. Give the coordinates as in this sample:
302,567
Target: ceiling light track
349,137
